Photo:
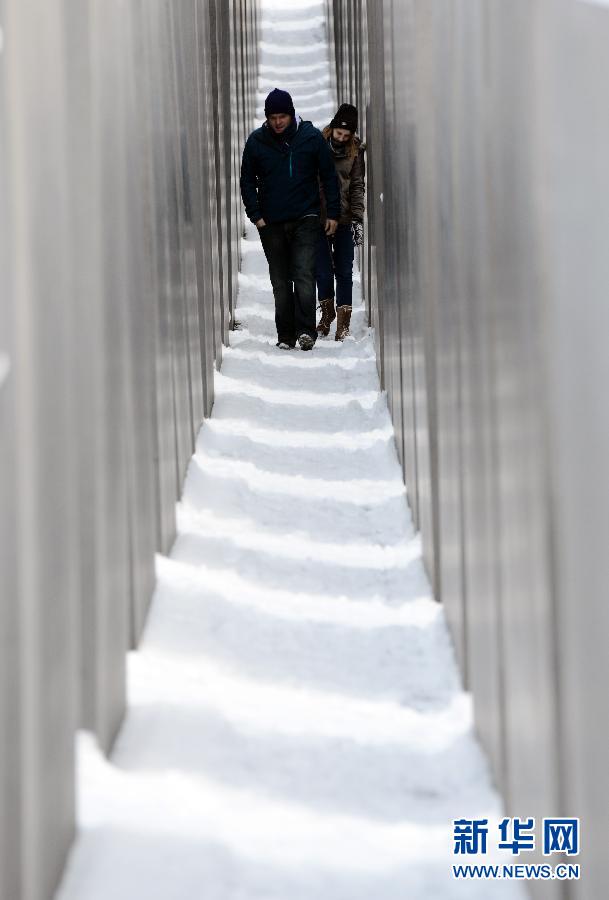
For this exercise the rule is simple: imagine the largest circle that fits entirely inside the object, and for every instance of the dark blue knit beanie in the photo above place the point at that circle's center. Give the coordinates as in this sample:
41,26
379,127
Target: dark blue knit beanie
278,102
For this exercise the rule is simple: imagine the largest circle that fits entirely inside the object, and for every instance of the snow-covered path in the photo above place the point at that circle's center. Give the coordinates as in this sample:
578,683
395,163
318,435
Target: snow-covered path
296,726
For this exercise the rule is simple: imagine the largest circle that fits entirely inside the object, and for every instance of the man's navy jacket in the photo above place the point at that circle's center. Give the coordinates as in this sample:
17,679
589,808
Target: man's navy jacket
280,180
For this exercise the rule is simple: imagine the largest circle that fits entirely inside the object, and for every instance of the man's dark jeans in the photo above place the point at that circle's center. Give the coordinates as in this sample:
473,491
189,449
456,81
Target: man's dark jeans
290,251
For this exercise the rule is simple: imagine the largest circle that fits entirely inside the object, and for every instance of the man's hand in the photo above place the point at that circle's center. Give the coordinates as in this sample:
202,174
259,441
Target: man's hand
331,226
260,223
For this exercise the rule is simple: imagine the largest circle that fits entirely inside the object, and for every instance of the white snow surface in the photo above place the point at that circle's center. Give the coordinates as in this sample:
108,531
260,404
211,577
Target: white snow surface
296,727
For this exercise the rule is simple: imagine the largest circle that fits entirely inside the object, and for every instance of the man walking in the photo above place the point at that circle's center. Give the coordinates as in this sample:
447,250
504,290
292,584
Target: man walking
283,164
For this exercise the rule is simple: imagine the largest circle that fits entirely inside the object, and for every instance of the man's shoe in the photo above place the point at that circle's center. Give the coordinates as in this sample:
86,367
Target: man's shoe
283,345
343,321
327,316
306,342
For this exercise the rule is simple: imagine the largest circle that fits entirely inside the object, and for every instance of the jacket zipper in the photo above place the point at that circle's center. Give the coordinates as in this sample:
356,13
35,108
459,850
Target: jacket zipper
290,163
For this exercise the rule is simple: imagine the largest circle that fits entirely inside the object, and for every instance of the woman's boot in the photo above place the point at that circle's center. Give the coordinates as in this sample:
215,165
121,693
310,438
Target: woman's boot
342,322
327,316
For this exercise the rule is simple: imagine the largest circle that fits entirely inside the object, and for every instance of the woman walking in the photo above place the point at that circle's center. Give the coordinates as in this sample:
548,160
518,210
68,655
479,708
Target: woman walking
335,254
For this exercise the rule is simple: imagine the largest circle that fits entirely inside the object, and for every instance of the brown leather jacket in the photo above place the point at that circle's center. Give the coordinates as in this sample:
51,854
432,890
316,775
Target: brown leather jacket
352,180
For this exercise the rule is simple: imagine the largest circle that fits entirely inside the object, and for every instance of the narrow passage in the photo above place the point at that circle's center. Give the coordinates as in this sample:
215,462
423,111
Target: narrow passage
296,725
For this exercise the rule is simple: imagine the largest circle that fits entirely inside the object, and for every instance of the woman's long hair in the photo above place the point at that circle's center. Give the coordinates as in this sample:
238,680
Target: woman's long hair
352,145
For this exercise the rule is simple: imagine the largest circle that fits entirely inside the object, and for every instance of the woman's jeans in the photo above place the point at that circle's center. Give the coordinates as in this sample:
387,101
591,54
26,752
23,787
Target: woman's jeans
335,260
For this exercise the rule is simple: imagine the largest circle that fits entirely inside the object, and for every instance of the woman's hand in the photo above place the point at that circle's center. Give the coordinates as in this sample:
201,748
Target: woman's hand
331,226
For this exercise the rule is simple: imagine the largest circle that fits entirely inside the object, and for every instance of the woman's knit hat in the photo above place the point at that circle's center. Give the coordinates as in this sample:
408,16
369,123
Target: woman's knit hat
346,117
